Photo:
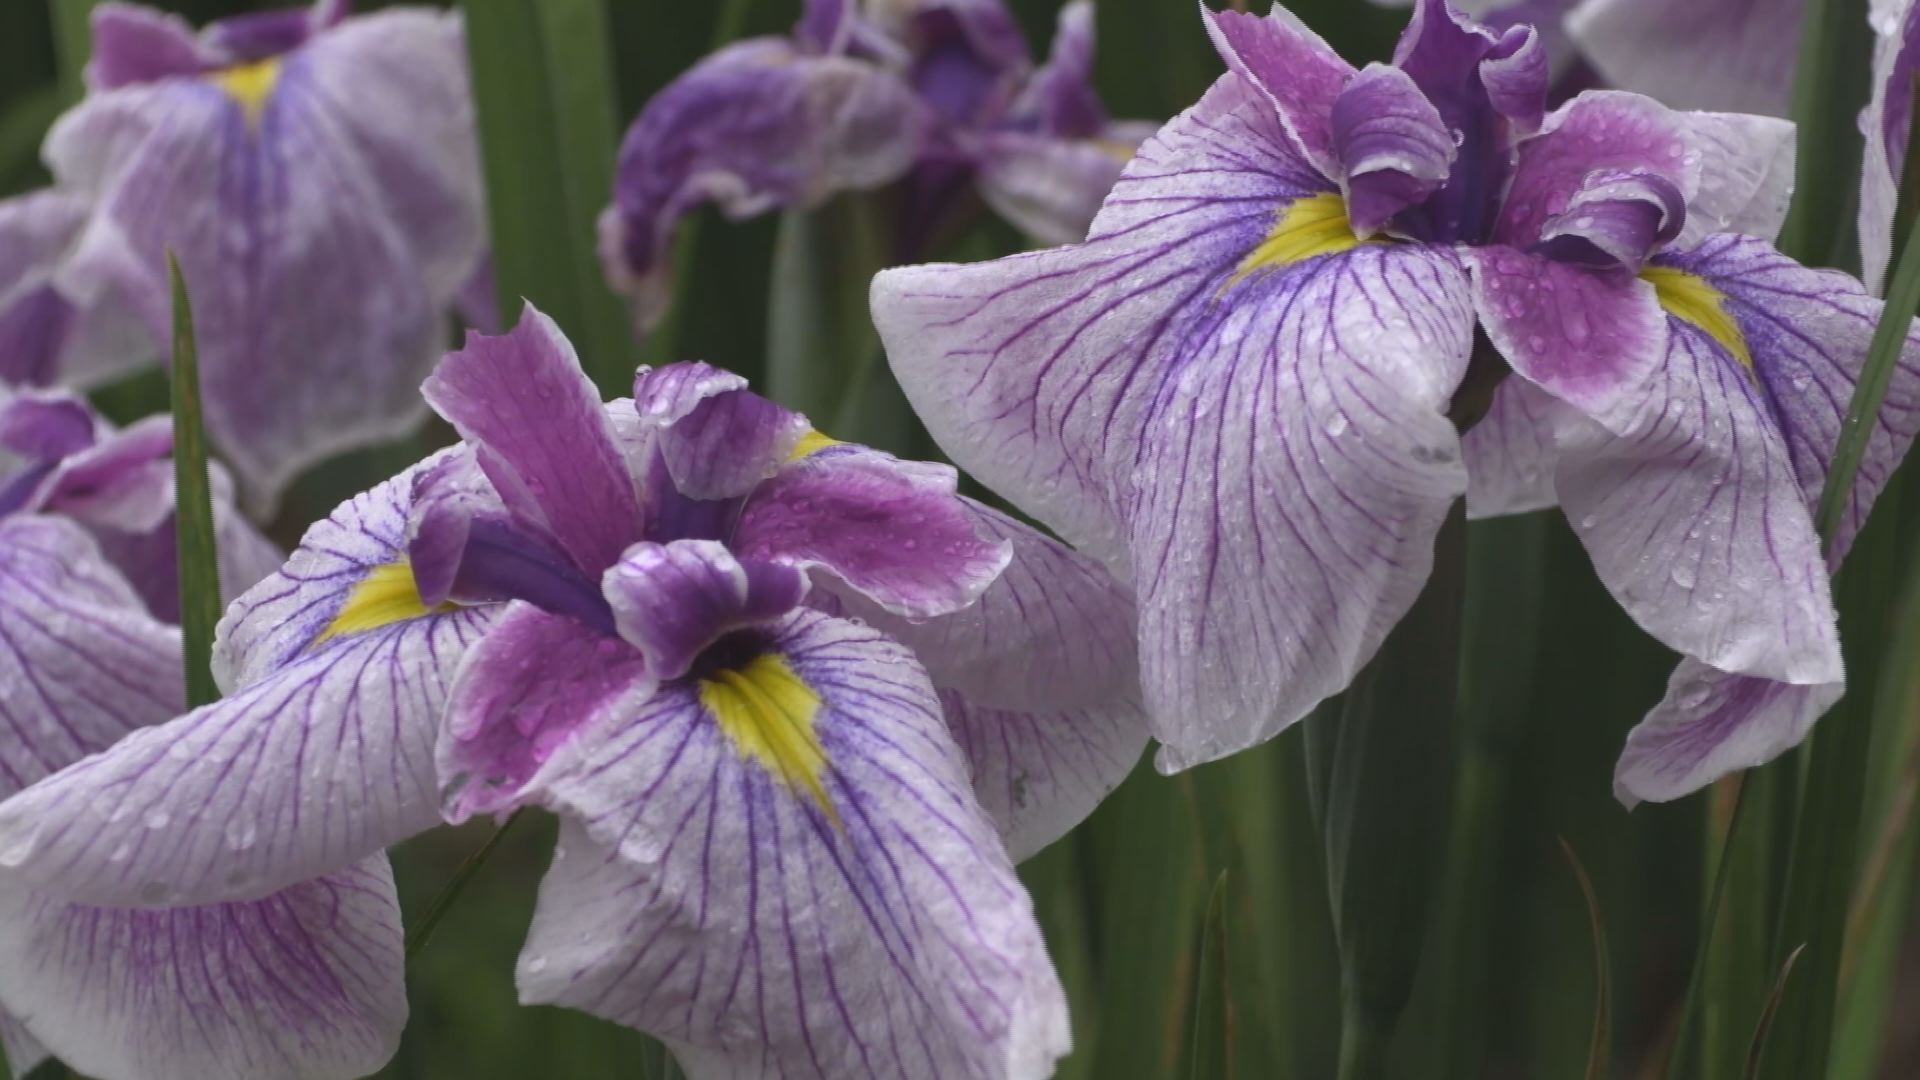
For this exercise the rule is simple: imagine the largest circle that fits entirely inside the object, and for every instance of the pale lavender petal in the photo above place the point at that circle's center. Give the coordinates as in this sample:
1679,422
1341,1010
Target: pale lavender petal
528,686
1292,68
1731,55
543,438
879,931
1048,187
123,481
1712,724
1887,125
1510,453
759,125
1035,372
1746,175
24,1052
719,439
1599,133
46,337
1040,680
671,601
318,308
896,532
1394,149
82,663
1589,338
307,982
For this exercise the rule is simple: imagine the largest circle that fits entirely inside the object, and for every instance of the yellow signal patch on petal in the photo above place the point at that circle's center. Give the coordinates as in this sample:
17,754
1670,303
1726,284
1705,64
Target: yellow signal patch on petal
385,596
1689,298
250,86
810,444
1308,227
767,711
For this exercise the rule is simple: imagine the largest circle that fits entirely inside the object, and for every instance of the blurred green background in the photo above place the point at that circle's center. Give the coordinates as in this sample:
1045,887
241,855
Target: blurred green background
1189,917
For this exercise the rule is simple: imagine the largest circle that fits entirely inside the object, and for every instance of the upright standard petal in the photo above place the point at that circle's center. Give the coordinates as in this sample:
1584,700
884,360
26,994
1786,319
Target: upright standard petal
301,219
1394,149
759,125
542,437
719,439
1289,65
307,982
1887,125
843,911
1040,680
1222,392
1731,55
321,754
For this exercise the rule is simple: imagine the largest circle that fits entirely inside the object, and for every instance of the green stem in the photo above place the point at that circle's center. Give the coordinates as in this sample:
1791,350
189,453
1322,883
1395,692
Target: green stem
1363,1043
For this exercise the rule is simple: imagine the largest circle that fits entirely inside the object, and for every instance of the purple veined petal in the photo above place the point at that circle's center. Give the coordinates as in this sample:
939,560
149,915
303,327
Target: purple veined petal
82,663
1615,221
1040,680
1049,188
1290,66
307,982
672,601
1589,337
1730,55
1712,724
300,773
542,436
1887,124
1746,175
423,159
718,438
1393,148
874,929
285,229
1289,488
1599,132
24,1052
134,44
532,682
1510,453
36,231
757,126
896,532
1034,372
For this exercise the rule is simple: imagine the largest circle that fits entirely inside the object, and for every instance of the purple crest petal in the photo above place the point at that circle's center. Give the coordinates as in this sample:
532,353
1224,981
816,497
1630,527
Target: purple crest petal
1732,55
671,601
308,982
528,686
718,438
896,532
1599,133
317,230
1393,148
1290,66
1516,77
1510,453
757,126
542,437
1590,338
133,44
738,922
1040,680
43,426
1615,221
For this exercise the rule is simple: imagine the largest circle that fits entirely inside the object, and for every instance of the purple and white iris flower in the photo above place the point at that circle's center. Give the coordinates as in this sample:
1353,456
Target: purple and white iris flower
1244,388
305,981
323,233
942,93
794,701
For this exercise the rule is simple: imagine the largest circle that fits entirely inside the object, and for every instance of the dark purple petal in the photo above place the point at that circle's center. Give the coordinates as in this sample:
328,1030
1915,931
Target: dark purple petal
1290,66
671,601
1596,134
896,532
543,439
258,35
141,45
308,982
1059,99
1393,148
757,126
1615,221
825,25
874,927
526,688
1516,76
1731,55
44,426
718,438
1589,338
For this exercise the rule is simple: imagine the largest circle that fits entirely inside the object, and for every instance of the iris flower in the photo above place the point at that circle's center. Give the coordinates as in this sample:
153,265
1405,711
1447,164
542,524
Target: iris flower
1244,388
793,700
303,981
941,92
323,233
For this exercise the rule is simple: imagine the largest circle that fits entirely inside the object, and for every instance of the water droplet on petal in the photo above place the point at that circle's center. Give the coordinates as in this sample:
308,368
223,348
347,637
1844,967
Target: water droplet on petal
158,819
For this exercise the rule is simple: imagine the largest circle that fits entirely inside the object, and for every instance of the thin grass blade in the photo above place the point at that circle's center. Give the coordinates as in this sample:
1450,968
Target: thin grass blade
1598,1049
199,564
1768,1013
1212,1023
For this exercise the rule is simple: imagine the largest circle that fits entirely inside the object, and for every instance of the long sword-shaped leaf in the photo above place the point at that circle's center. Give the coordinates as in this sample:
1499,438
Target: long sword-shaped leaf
1829,89
544,97
1600,1046
73,40
193,503
1212,1023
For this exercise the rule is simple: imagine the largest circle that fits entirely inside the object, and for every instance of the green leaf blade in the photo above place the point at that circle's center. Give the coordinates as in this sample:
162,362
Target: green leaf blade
199,565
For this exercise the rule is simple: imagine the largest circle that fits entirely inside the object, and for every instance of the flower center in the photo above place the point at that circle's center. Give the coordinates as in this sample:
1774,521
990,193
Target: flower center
250,86
1690,299
767,711
1306,228
385,596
